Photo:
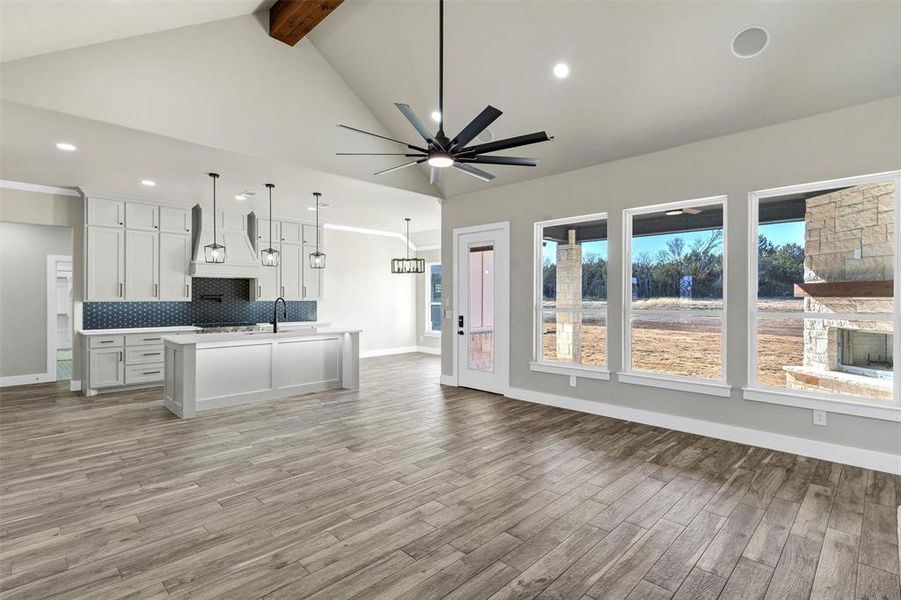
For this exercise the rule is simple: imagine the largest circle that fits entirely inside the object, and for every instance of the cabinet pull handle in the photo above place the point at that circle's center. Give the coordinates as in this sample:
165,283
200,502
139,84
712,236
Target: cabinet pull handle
151,354
151,372
120,356
156,290
304,291
120,290
187,293
155,339
283,290
259,290
106,341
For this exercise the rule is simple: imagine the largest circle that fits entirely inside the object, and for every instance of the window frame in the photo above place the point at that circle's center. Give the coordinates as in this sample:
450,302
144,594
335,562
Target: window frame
429,332
701,385
539,363
838,403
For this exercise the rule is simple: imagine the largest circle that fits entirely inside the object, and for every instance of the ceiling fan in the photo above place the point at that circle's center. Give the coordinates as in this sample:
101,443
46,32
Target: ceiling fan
439,151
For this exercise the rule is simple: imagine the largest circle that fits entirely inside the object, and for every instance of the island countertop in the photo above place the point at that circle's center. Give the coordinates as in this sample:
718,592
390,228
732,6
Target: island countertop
240,338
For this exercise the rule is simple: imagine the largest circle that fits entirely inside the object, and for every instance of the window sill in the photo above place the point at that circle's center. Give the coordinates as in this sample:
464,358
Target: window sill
571,370
844,407
710,388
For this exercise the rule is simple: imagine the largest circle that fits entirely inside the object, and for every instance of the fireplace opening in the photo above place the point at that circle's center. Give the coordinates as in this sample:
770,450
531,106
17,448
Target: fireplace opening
865,353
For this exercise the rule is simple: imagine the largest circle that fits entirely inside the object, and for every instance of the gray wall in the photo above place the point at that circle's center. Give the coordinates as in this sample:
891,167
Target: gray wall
855,141
27,207
425,341
23,294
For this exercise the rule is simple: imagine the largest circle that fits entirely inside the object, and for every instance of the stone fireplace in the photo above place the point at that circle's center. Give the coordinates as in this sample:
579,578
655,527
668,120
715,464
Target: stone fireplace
848,269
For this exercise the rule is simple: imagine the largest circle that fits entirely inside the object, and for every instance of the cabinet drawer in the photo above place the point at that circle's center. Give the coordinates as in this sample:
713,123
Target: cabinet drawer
139,355
143,373
106,341
144,339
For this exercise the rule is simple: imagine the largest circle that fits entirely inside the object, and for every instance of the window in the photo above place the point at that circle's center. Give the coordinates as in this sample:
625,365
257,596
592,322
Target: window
674,310
433,299
571,293
823,314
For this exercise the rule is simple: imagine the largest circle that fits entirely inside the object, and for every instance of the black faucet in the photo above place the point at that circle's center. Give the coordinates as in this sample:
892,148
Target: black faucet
275,313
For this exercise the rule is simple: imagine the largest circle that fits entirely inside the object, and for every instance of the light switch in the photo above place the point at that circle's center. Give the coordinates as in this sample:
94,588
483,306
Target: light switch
572,381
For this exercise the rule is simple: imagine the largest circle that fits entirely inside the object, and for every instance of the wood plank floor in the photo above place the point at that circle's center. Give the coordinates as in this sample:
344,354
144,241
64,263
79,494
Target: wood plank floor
409,490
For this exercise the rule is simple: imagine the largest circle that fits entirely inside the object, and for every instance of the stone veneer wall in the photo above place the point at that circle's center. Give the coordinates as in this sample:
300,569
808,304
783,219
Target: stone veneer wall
569,296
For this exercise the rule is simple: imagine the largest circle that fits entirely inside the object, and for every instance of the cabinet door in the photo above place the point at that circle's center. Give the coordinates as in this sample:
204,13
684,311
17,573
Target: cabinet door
106,264
312,278
292,233
144,217
175,256
309,235
141,265
292,274
107,368
263,235
175,220
109,213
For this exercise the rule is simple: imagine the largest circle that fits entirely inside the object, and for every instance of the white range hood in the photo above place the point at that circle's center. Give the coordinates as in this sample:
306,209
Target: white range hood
234,231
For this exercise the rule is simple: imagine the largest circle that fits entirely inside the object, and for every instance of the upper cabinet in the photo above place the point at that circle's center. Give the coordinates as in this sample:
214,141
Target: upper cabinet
106,212
292,233
309,235
175,220
105,263
142,217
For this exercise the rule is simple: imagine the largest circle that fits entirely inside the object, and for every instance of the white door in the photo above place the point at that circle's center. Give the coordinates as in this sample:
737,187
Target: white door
106,263
482,301
312,278
292,277
175,256
141,265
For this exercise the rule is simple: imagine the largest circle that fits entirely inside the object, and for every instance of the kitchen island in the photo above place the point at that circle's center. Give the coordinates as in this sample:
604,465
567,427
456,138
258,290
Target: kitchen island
213,370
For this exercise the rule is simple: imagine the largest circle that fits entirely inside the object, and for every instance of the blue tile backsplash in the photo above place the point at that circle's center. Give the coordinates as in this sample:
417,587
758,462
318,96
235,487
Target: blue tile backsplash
204,307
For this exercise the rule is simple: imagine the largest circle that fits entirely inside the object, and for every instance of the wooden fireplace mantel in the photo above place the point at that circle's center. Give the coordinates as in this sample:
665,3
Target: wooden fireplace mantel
846,289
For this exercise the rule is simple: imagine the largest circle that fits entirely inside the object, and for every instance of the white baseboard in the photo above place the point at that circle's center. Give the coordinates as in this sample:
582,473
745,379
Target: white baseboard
449,380
858,457
429,350
26,379
74,385
389,351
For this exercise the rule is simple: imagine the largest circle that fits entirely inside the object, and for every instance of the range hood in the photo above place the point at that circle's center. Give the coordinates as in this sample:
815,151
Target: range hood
234,231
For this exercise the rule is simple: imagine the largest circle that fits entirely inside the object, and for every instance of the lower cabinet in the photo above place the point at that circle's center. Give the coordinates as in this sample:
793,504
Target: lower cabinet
124,360
107,367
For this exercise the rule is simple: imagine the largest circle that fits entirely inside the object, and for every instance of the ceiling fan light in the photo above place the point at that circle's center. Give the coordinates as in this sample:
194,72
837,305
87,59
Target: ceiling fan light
440,160
674,212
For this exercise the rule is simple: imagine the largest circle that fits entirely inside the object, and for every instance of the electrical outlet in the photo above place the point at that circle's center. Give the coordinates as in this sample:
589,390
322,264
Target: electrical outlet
572,381
819,417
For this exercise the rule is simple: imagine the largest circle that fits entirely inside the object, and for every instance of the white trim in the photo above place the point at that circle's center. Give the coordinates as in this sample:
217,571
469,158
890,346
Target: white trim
571,370
363,230
74,385
850,455
41,189
389,351
716,387
428,350
432,247
448,380
672,382
27,379
834,405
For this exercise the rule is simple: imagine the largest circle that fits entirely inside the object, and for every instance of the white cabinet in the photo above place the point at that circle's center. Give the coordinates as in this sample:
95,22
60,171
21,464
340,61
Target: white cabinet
175,256
175,220
144,217
292,233
106,264
107,368
292,274
141,265
106,212
263,235
312,278
309,235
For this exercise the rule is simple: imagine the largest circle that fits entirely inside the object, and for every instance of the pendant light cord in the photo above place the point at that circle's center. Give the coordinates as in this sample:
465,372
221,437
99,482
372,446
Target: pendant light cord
441,66
270,186
317,194
408,237
215,239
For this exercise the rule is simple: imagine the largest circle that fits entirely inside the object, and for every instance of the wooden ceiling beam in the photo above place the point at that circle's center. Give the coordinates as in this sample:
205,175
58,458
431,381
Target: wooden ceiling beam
291,20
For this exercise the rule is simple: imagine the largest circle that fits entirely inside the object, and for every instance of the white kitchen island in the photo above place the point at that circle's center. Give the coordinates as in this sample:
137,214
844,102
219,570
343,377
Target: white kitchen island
213,370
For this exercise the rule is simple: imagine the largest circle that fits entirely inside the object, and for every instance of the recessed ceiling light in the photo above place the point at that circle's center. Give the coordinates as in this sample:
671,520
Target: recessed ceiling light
66,147
561,70
240,197
674,212
750,41
148,182
436,116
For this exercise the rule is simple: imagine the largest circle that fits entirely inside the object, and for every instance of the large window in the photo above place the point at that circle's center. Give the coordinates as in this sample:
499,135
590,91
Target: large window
823,314
571,293
433,299
674,310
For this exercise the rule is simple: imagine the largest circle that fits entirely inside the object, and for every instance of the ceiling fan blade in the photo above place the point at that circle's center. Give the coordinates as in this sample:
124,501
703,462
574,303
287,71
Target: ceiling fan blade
514,142
416,123
378,154
417,148
477,173
691,211
501,160
475,127
398,167
434,176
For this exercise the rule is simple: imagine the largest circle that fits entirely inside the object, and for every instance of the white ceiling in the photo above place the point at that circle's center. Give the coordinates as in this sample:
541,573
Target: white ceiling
645,75
31,27
113,160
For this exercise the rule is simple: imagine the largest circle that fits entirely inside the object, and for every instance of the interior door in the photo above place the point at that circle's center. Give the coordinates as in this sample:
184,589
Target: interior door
483,307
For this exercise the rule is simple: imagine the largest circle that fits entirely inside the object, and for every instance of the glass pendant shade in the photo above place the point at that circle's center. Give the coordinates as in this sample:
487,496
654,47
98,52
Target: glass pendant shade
269,257
317,260
215,252
402,266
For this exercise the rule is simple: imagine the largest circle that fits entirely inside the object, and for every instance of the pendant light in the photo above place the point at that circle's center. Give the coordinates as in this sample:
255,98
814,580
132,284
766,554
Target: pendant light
270,255
214,253
317,259
407,265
